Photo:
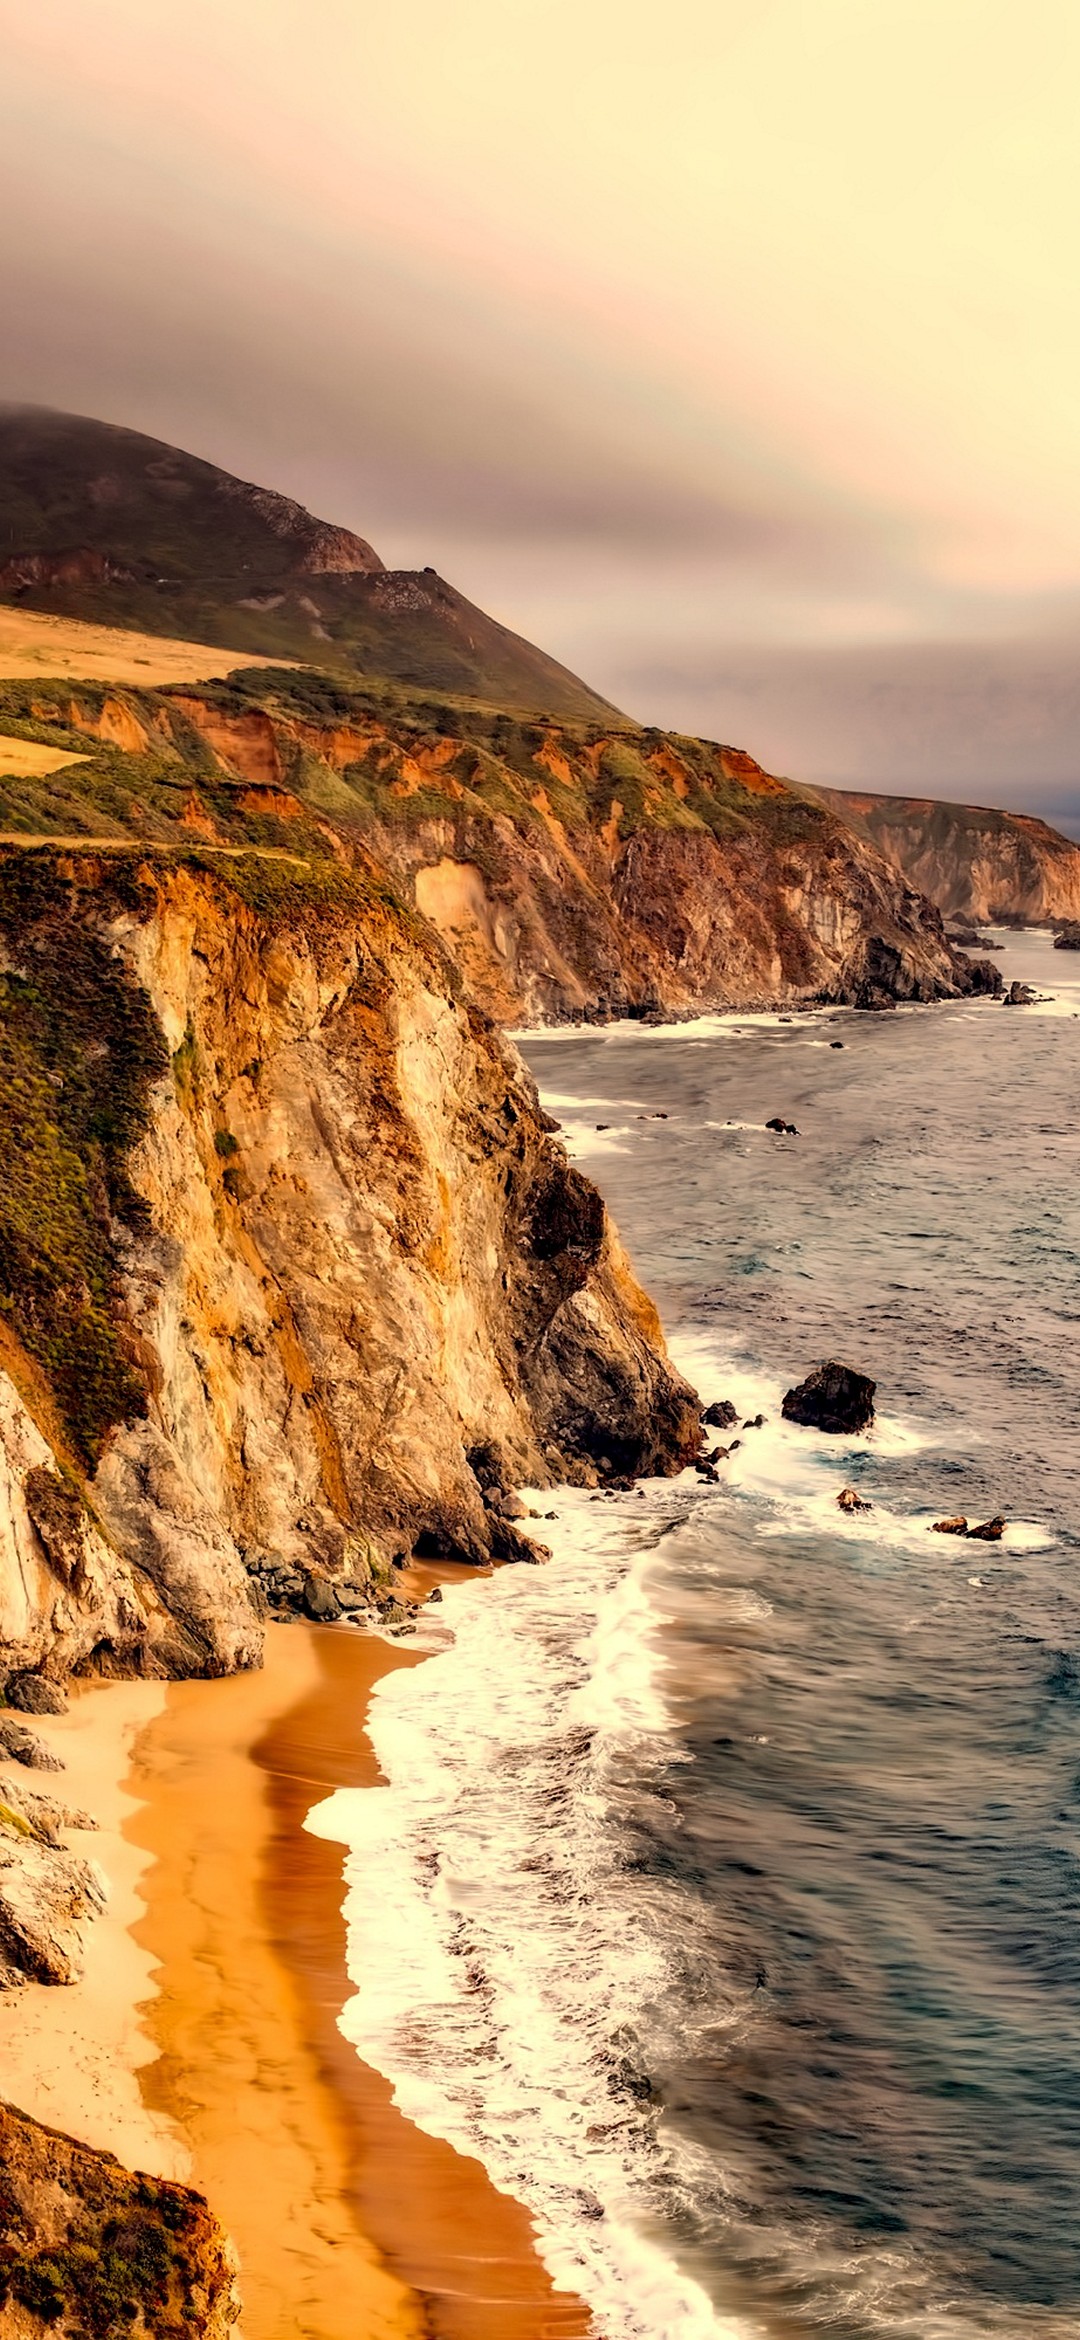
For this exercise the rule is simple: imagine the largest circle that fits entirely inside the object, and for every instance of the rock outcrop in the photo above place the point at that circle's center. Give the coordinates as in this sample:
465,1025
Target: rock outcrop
86,2248
286,1245
835,1398
572,872
974,863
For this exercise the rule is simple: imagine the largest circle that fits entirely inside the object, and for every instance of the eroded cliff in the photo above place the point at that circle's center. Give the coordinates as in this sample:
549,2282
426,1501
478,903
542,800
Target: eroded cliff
570,871
974,862
291,1264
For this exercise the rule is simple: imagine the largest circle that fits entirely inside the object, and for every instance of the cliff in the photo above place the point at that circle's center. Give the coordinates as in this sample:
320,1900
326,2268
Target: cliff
295,1280
571,870
87,2250
973,862
102,523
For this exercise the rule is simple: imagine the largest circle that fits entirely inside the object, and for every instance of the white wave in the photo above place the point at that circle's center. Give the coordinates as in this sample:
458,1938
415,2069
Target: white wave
502,1958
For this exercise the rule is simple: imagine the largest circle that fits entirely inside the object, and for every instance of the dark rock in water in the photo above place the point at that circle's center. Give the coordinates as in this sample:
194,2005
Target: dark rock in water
757,1422
1069,937
957,1526
32,1694
721,1415
716,1454
705,1471
836,1043
834,1398
22,1746
435,1594
320,1599
782,1128
1020,995
603,1125
849,1499
735,1444
990,1532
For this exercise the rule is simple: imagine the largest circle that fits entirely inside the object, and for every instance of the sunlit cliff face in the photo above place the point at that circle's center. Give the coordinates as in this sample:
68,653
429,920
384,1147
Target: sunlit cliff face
698,343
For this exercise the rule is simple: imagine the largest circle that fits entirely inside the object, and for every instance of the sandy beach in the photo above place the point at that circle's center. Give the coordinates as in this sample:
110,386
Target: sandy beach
348,2221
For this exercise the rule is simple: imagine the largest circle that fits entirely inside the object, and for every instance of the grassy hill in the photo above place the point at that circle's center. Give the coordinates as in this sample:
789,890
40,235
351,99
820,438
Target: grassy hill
105,525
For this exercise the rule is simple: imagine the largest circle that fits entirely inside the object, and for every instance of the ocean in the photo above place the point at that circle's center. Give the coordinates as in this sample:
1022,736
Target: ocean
725,1894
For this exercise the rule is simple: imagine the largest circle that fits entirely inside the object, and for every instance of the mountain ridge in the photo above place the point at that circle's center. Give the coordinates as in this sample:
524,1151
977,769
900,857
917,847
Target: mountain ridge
99,522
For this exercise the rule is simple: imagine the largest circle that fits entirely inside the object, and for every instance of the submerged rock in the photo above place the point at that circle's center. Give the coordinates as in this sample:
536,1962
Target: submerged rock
849,1499
956,1526
835,1398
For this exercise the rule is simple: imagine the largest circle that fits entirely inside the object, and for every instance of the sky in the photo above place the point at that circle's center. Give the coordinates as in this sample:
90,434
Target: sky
729,349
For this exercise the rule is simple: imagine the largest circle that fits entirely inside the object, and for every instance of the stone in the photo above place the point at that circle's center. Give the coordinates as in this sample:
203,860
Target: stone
957,1526
756,1422
782,1128
1069,937
721,1415
716,1454
44,1814
320,1600
834,1398
1020,995
46,1894
435,1595
849,1499
32,1694
990,1532
23,1746
836,1044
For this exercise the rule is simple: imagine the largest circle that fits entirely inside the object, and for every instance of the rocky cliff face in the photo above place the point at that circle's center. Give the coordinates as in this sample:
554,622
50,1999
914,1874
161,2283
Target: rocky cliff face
972,862
85,2248
571,872
293,1270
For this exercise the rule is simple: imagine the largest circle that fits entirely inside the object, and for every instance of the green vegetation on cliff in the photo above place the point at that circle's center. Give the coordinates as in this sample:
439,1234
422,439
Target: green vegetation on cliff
79,1049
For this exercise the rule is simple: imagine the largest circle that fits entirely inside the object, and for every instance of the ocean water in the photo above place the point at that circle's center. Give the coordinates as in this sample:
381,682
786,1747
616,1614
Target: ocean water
725,1894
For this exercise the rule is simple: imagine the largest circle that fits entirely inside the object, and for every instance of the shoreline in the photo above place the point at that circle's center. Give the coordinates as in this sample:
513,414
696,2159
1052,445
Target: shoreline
347,2219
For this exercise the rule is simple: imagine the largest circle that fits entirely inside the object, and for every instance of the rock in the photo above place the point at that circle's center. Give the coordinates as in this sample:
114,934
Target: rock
23,1746
45,1896
1069,937
756,1422
957,1526
836,1044
721,1415
782,1128
320,1600
436,1590
32,1694
87,2246
834,1398
849,1499
716,1454
990,1532
1020,995
735,1445
510,1506
705,1471
45,1815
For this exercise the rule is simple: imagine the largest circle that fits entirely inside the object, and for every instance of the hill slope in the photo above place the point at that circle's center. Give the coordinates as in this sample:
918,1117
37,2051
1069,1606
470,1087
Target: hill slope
571,871
101,523
973,861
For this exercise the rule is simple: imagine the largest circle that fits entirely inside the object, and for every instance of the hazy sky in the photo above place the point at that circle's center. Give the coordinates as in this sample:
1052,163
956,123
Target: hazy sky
729,348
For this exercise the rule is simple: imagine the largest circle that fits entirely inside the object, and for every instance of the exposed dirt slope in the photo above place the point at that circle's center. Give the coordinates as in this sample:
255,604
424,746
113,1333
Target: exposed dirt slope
570,870
973,861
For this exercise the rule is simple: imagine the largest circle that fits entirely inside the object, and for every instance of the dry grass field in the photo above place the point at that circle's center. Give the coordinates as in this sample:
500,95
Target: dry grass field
33,645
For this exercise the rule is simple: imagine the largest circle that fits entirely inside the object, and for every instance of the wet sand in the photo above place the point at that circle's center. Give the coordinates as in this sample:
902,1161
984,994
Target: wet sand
349,2222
